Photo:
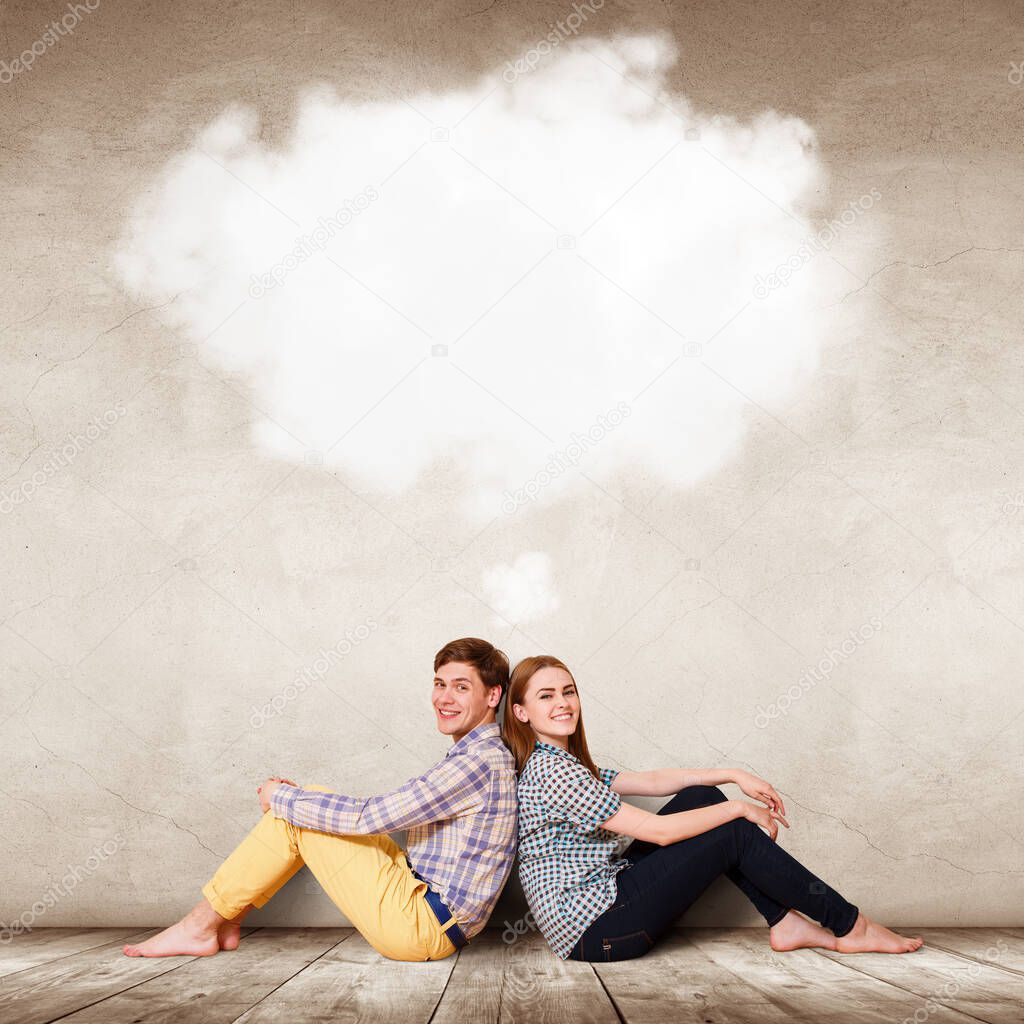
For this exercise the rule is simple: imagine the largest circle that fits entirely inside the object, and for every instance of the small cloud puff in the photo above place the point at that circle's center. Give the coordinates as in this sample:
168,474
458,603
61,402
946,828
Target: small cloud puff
523,591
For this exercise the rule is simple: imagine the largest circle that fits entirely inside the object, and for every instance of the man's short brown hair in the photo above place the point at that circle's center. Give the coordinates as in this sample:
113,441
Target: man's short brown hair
490,663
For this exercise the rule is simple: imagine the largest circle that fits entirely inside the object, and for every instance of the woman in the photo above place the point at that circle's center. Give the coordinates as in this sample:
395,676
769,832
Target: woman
591,903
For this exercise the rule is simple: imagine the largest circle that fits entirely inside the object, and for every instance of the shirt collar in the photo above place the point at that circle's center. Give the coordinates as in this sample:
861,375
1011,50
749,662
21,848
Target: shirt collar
549,748
482,733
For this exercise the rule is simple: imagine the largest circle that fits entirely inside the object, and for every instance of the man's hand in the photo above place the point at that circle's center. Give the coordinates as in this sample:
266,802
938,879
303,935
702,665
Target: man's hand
266,791
758,789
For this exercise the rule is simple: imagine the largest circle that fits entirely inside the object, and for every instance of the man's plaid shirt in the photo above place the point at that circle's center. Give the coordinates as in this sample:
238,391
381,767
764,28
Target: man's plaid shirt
461,817
568,864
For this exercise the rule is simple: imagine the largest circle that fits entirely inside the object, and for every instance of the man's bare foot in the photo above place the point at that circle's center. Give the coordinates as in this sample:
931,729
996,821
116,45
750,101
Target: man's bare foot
178,940
194,935
796,932
230,932
868,936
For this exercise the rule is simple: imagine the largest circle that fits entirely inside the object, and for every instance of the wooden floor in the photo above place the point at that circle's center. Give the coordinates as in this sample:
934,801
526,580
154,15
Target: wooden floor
727,976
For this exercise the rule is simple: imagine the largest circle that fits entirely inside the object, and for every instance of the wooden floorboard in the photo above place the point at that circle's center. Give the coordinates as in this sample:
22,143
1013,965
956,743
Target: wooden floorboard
59,987
42,945
809,987
970,986
677,982
694,976
521,980
353,982
218,989
999,947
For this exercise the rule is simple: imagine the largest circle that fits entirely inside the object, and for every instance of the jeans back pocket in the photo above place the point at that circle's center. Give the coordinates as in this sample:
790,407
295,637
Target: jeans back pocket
626,947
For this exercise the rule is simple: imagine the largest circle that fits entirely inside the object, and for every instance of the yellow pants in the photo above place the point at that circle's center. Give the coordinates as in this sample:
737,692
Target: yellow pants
367,878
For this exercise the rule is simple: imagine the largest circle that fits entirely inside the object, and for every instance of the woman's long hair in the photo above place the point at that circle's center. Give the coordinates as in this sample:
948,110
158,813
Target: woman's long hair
519,736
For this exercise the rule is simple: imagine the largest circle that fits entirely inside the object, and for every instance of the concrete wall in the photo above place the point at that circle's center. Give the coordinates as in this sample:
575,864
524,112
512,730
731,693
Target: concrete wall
801,553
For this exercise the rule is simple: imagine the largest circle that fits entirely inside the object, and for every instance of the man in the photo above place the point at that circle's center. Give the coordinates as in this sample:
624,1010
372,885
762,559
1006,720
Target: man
420,904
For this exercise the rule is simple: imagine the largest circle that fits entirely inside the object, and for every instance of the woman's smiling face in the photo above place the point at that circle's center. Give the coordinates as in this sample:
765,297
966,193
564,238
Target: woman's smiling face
550,705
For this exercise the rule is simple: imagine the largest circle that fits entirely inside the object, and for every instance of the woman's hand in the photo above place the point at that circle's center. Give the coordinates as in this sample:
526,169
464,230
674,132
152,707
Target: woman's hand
266,791
759,789
763,816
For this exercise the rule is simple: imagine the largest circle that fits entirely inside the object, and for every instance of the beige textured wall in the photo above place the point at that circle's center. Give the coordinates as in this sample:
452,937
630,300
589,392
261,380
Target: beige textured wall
177,571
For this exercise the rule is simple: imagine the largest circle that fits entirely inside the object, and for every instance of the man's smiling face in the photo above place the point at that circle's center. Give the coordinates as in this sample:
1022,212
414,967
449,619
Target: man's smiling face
461,700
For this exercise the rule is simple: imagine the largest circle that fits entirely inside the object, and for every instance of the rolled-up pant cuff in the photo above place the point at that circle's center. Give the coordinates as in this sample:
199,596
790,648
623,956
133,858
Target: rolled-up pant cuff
222,906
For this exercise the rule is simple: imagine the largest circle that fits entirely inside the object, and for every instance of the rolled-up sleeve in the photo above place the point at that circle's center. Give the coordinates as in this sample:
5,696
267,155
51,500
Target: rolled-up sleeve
574,794
451,788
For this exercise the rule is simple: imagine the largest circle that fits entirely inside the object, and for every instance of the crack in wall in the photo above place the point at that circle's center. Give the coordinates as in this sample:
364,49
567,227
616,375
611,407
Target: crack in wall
890,856
127,803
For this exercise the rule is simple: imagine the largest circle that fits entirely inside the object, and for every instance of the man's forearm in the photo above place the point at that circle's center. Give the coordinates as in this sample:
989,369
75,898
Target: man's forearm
323,811
447,790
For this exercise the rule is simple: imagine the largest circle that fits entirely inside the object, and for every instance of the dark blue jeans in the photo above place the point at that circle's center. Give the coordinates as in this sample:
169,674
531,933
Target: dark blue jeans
663,881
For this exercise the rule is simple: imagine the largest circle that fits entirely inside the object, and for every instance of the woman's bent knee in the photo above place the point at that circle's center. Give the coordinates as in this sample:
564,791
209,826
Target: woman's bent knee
712,793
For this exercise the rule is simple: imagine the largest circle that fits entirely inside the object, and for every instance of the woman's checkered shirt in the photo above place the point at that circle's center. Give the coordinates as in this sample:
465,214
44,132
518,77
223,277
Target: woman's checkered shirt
567,863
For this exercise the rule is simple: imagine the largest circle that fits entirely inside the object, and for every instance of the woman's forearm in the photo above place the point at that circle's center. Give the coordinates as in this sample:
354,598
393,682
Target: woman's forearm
674,779
671,828
715,776
663,829
668,781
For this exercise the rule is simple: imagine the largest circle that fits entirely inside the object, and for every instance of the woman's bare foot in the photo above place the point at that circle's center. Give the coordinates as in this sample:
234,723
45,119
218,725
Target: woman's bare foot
196,934
796,932
868,936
